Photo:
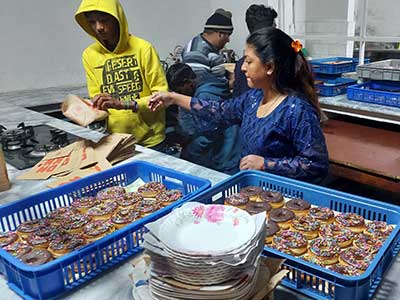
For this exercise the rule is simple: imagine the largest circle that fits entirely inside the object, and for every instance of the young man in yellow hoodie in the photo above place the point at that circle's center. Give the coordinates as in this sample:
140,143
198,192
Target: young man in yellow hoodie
122,71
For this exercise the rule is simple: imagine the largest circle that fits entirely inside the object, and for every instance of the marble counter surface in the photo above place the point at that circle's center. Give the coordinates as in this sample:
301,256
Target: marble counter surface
114,284
341,105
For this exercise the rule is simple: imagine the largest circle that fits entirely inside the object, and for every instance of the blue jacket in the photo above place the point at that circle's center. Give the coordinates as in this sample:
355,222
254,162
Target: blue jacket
219,148
240,85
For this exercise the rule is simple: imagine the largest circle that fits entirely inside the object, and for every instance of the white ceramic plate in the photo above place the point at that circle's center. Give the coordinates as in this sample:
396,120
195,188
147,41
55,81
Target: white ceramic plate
197,228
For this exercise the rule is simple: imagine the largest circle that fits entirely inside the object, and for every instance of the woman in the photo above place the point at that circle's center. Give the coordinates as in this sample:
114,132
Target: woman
279,116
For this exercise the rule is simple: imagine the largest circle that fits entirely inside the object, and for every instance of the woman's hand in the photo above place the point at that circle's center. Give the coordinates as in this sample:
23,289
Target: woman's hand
106,101
160,99
252,162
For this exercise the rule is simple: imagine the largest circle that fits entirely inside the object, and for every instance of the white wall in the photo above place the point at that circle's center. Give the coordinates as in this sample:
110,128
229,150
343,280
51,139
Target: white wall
41,45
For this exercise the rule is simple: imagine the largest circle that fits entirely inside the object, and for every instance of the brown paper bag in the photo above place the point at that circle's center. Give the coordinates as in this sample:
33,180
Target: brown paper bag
61,161
87,155
81,110
78,174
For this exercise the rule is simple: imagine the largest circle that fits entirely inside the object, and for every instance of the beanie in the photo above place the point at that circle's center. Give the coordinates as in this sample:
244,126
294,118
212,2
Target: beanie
221,21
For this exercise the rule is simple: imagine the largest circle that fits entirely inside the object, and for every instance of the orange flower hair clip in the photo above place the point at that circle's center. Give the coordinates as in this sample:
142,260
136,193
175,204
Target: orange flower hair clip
296,45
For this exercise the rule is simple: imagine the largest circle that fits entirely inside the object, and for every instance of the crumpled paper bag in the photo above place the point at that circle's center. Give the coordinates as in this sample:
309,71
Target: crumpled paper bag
81,110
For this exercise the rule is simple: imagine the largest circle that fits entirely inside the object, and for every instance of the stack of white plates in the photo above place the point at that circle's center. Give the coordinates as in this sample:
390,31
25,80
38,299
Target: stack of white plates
203,251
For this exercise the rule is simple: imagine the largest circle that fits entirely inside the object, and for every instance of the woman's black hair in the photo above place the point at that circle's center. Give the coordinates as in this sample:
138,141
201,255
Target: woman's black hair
293,74
179,74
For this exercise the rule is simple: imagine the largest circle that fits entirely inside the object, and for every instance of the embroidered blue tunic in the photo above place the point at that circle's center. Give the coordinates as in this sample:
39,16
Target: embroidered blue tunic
290,138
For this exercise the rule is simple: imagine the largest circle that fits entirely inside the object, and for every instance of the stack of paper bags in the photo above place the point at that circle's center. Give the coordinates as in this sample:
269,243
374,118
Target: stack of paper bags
82,158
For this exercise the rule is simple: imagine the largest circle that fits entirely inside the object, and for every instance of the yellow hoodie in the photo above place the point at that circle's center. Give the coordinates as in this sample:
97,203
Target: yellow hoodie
131,72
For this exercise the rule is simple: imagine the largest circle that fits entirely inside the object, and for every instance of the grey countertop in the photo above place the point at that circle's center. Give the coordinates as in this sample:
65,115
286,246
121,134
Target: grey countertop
113,284
341,105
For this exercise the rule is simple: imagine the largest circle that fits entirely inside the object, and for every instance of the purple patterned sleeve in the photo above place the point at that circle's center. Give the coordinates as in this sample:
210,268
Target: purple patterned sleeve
212,114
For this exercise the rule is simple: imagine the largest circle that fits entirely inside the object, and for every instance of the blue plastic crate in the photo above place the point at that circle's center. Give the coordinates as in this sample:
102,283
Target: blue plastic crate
335,65
305,277
333,87
74,269
383,93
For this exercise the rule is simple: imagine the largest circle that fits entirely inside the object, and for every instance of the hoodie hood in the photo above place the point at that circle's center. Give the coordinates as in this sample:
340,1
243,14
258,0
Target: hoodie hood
112,7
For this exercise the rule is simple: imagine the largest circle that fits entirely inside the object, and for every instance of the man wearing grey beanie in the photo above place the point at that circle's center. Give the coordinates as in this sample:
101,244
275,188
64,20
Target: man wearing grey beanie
202,54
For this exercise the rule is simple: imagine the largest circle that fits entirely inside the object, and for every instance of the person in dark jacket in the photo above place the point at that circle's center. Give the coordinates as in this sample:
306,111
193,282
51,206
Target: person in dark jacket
217,149
257,16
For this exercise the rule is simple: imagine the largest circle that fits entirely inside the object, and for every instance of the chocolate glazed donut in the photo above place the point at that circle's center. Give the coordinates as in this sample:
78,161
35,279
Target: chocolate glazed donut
275,199
282,217
253,192
254,207
36,257
271,229
298,206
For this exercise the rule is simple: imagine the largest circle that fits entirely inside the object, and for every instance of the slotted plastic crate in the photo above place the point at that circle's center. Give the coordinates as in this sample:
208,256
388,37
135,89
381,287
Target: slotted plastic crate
305,277
384,93
333,87
380,70
333,65
74,269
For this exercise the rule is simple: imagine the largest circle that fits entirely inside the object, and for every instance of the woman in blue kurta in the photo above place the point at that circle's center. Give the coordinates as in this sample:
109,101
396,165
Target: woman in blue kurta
279,117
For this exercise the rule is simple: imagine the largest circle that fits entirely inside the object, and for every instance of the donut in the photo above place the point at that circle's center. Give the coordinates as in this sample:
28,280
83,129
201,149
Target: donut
352,221
312,259
378,229
74,223
7,238
40,239
238,200
291,242
299,206
282,217
18,248
307,225
84,203
346,270
147,206
129,200
253,192
169,196
36,257
67,243
253,207
325,250
110,193
58,216
26,228
271,229
355,257
124,217
368,243
323,214
151,189
102,211
275,199
96,229
343,235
